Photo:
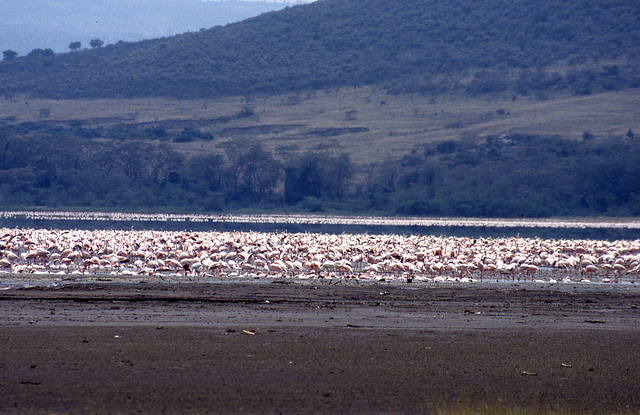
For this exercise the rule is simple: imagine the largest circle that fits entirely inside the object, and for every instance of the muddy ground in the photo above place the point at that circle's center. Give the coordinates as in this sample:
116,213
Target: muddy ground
313,347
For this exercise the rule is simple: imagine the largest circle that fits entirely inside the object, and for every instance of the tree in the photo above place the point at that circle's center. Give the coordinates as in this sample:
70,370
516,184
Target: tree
205,171
339,171
75,45
304,177
587,136
96,43
630,134
9,54
41,53
252,172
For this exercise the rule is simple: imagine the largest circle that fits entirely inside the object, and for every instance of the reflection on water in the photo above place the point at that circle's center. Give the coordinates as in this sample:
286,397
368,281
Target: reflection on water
463,227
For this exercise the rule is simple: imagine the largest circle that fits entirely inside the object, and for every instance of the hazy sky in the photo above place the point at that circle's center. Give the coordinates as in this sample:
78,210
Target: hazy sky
277,1
31,24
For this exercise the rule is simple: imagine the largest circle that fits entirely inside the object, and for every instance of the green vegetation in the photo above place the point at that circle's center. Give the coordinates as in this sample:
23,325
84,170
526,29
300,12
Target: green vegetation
469,46
72,165
457,108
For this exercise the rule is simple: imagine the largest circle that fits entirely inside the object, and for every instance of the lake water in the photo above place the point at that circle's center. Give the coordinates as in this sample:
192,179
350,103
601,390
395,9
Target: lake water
609,229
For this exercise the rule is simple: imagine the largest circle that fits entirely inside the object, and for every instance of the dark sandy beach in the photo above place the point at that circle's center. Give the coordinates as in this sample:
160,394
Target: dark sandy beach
310,347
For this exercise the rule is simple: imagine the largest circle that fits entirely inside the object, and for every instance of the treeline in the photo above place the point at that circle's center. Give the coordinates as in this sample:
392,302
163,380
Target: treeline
519,175
53,166
430,46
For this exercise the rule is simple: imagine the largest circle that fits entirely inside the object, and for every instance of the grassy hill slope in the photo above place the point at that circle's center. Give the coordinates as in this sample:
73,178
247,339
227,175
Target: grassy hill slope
429,46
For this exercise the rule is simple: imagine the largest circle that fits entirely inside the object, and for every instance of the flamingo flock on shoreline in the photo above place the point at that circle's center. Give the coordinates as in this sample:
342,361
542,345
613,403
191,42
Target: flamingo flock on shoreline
195,255
324,220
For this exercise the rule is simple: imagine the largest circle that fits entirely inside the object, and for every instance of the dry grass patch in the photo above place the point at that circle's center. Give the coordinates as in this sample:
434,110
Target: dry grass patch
365,122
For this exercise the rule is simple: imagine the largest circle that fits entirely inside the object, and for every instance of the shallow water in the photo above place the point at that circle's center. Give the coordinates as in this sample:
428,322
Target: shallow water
55,279
589,228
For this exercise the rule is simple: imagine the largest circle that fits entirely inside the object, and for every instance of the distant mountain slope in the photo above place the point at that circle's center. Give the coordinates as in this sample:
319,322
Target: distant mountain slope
422,45
29,24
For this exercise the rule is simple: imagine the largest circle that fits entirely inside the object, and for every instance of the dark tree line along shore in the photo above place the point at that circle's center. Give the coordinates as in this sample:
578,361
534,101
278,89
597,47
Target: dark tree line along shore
44,165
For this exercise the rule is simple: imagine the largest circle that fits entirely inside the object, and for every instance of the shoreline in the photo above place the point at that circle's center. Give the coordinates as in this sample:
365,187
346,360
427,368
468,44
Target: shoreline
308,347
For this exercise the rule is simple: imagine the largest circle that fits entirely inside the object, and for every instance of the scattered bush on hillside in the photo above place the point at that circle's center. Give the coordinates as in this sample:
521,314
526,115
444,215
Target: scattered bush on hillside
470,46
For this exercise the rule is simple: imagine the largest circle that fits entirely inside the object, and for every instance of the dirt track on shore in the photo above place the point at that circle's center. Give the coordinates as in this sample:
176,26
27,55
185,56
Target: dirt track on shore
309,347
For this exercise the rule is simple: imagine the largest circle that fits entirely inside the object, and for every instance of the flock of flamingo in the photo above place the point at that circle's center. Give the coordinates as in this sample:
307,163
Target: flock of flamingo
198,255
321,219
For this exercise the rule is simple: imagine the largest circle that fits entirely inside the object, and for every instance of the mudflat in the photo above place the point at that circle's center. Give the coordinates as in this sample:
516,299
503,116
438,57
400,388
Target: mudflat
282,346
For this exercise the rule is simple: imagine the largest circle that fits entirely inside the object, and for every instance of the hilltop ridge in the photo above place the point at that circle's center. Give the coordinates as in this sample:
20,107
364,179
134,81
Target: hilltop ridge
54,24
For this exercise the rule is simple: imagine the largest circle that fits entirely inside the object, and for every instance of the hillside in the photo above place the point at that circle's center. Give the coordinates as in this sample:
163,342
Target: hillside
461,108
473,46
349,151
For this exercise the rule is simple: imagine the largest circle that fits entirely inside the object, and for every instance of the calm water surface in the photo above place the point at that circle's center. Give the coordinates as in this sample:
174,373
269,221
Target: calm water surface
465,227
